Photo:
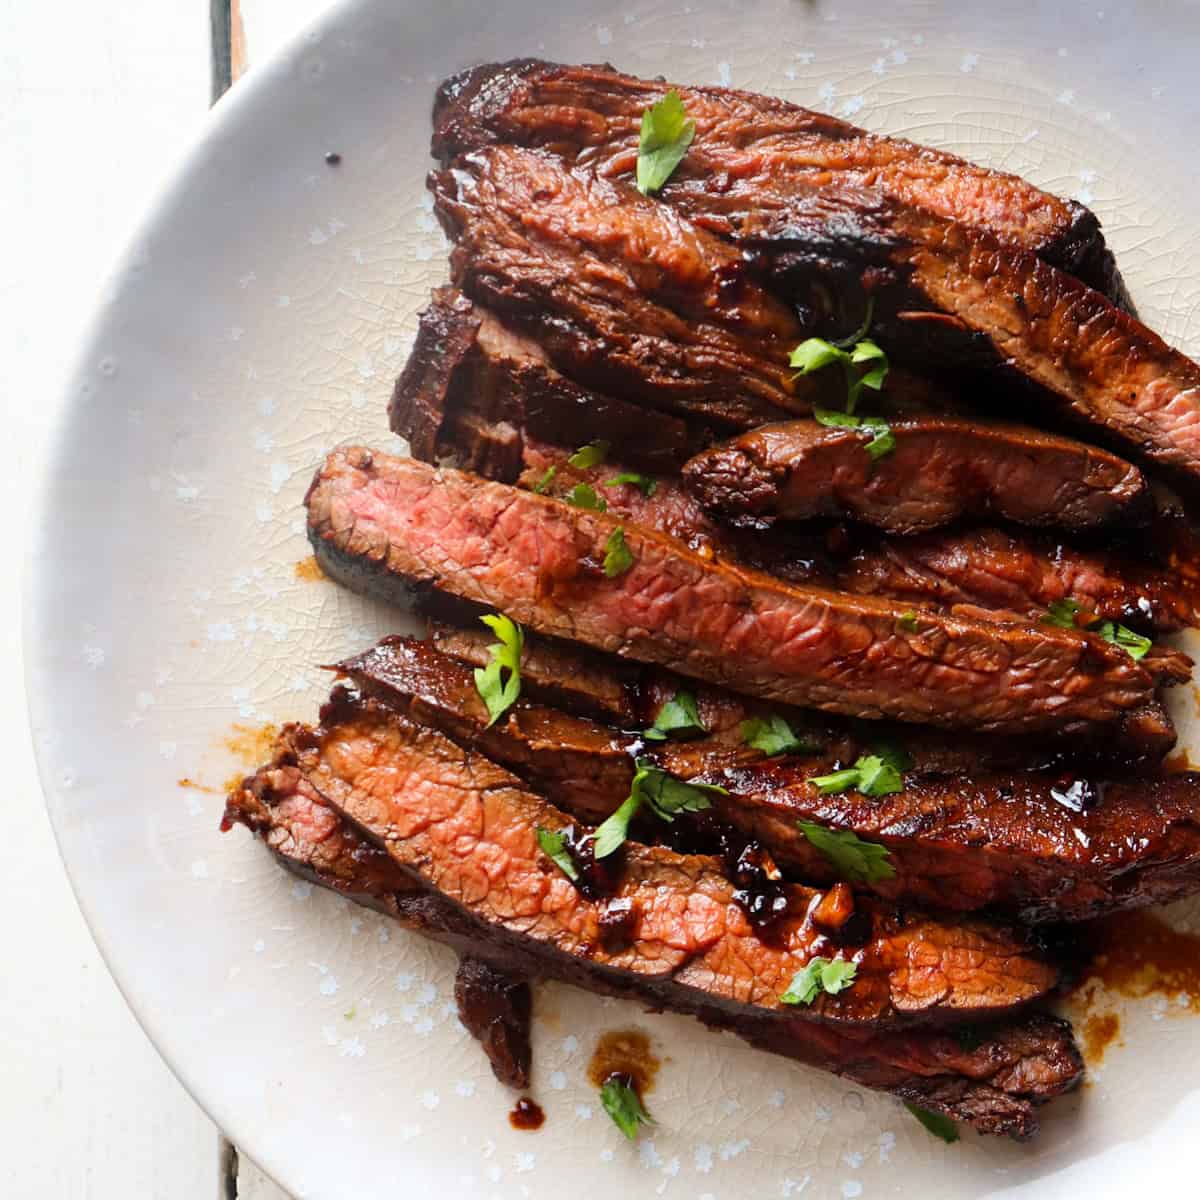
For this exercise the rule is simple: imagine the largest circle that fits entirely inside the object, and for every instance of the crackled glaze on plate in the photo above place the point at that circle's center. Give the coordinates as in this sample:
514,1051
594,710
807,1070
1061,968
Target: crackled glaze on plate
260,318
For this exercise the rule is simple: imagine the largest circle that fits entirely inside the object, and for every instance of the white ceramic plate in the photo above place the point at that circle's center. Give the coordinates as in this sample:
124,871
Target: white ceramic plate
259,318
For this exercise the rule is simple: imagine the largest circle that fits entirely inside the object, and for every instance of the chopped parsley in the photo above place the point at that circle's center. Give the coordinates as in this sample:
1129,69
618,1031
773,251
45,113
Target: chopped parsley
646,484
877,774
863,363
665,796
499,683
854,860
666,134
591,455
1065,613
583,495
620,1100
617,556
829,975
937,1124
679,716
907,621
772,735
554,846
883,440
543,485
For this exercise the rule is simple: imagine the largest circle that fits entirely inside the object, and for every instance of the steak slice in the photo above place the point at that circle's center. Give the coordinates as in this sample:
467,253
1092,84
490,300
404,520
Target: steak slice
1095,364
476,390
994,1081
1050,845
467,829
940,470
626,297
384,524
998,569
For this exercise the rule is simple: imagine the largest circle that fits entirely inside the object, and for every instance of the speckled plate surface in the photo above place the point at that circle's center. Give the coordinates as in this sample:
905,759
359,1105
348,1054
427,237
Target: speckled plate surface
259,318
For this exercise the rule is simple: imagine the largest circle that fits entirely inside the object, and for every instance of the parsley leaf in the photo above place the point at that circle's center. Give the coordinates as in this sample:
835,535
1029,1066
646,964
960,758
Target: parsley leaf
883,440
617,556
666,134
831,975
937,1124
583,495
1135,644
496,691
621,1101
907,621
1064,613
554,847
543,485
666,797
772,735
863,362
679,716
855,860
1061,613
871,774
646,484
613,831
591,455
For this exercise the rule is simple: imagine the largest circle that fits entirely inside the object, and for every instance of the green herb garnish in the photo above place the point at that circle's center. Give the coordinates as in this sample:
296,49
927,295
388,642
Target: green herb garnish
621,1101
907,621
646,484
863,363
617,556
937,1124
772,735
496,690
877,774
665,796
543,485
590,455
883,440
1064,614
856,861
554,847
679,716
830,975
666,134
583,495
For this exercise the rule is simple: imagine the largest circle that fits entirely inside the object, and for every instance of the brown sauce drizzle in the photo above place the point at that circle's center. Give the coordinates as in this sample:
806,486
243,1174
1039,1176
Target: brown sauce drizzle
1138,955
527,1114
1176,763
309,570
625,1054
1098,1032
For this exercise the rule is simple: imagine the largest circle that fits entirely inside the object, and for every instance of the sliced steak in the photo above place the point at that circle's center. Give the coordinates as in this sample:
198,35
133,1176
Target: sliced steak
1094,363
1048,845
595,113
940,470
467,829
624,295
997,569
994,1081
496,1007
384,524
474,390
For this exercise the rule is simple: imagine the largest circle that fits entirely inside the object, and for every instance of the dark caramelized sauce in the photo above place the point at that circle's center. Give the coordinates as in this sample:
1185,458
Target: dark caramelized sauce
1176,763
1138,955
526,1114
758,885
598,878
309,569
626,1054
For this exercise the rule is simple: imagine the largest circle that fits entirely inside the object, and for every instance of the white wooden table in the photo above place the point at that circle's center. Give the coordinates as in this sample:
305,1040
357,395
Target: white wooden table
97,101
